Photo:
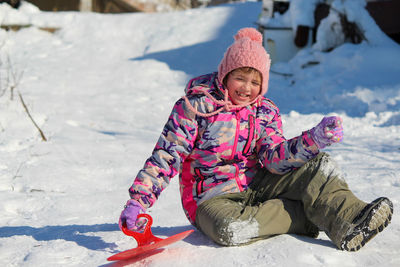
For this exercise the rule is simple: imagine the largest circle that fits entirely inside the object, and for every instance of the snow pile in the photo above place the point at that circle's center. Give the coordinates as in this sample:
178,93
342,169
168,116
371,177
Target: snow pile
22,16
101,89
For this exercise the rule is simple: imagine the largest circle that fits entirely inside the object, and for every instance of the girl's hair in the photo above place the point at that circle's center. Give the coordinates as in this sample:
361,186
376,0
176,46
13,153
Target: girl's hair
245,70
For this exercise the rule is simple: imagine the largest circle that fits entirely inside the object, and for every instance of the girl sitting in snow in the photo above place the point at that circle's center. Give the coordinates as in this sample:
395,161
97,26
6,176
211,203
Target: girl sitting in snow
240,179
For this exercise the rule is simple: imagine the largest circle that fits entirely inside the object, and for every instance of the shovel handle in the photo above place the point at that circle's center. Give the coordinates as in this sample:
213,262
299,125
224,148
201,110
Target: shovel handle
147,236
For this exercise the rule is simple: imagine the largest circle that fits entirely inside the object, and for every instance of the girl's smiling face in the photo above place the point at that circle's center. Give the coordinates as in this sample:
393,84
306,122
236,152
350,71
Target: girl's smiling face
243,86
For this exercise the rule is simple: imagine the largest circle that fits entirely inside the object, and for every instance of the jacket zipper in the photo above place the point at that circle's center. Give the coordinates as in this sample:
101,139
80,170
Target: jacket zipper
234,151
237,178
251,134
235,143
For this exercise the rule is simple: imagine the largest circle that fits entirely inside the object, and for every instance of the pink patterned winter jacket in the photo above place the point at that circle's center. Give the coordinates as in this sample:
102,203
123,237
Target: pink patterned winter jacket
218,154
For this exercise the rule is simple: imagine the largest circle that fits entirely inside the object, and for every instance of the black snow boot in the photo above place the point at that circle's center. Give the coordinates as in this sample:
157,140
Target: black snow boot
369,222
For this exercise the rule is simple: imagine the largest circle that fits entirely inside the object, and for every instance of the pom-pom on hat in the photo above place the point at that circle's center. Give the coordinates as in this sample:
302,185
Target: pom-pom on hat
246,51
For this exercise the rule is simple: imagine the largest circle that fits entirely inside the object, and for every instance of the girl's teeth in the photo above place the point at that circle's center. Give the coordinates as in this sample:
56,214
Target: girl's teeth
240,94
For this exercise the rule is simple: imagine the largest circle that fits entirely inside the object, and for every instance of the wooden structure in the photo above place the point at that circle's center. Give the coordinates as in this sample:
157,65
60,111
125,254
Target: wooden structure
101,6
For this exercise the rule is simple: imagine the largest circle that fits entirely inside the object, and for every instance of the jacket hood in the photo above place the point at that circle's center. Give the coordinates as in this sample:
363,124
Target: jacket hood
208,83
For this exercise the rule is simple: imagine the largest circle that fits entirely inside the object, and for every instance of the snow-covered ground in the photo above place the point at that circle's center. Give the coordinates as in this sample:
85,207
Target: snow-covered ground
101,89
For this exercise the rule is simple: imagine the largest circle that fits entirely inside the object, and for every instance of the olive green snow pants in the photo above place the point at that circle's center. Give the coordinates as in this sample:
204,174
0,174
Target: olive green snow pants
312,198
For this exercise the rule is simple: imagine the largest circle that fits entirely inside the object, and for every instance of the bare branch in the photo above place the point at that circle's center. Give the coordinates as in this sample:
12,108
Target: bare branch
13,78
30,116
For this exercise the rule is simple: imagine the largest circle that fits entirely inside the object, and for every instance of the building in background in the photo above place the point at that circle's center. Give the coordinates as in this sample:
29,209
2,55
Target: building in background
291,25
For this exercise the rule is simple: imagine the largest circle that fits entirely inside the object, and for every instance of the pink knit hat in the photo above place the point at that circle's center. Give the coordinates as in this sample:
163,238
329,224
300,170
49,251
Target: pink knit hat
246,51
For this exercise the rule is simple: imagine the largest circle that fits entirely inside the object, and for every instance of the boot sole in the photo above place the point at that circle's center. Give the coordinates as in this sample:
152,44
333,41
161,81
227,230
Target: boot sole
378,217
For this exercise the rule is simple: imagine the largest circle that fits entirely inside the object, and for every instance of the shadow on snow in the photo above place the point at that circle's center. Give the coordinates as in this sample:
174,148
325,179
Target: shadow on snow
204,57
79,234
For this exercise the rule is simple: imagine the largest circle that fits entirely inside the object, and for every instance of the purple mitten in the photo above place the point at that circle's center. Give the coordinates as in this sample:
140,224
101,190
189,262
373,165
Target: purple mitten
129,215
328,131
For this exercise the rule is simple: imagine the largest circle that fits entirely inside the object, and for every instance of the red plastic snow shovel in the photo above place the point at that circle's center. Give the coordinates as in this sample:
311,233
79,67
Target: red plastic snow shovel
147,242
